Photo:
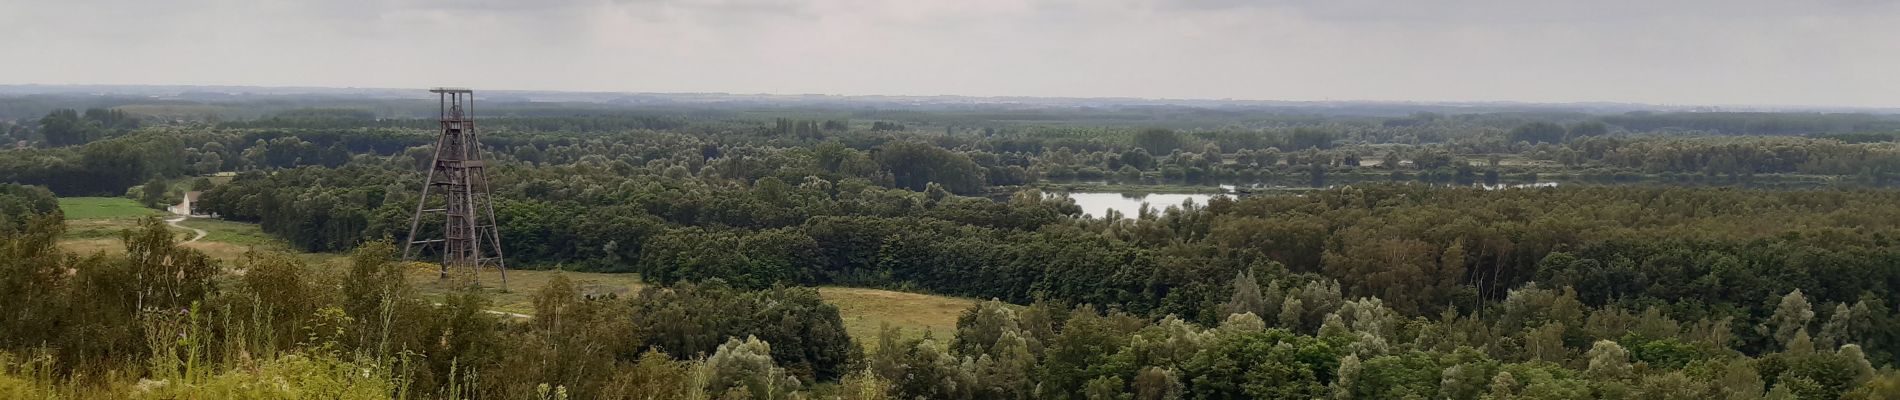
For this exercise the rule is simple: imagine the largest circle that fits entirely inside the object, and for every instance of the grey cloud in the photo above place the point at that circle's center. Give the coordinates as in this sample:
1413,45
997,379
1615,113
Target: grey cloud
1539,11
1685,51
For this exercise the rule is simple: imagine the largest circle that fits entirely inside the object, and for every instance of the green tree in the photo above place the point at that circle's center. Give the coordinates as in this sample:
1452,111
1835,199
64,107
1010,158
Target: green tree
1267,364
1538,132
373,289
1608,361
1076,354
1246,296
1155,383
1845,325
807,335
1157,141
981,327
20,204
64,127
154,193
913,165
920,369
1588,129
1138,158
1303,138
1790,319
746,366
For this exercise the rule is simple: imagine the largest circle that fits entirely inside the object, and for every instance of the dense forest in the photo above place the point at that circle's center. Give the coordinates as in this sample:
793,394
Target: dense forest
1682,255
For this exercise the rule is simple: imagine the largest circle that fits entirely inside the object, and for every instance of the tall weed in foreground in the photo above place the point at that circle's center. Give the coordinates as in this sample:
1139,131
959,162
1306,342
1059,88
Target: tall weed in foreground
25,379
294,376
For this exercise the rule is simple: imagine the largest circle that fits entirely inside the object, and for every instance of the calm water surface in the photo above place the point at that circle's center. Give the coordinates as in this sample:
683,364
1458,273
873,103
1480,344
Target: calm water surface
1097,204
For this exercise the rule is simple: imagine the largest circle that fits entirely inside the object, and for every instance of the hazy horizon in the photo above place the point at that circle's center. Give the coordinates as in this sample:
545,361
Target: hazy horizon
1697,52
510,94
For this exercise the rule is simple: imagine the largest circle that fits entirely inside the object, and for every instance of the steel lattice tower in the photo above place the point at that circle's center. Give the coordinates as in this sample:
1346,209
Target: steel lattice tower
468,239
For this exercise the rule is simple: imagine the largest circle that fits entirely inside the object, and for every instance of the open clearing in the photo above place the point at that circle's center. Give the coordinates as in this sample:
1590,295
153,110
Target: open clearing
864,311
225,240
85,208
93,223
523,283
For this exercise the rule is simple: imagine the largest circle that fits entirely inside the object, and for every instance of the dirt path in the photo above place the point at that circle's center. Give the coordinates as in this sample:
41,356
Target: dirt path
200,232
499,312
509,314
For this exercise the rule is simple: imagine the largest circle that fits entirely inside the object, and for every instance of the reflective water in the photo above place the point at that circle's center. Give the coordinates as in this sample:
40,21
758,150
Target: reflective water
1518,186
1097,204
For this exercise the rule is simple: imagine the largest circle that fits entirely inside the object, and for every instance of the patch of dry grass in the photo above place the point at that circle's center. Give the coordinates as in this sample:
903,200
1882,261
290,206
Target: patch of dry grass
238,233
86,247
227,240
77,208
97,228
112,246
109,229
866,310
523,283
221,251
176,110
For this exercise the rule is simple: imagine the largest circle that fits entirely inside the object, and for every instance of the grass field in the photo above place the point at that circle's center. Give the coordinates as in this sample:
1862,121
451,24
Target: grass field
864,310
523,283
93,225
85,208
169,111
237,233
97,228
92,236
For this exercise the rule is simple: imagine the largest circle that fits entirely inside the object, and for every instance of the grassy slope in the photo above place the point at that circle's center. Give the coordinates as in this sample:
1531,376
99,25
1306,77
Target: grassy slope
93,208
93,225
523,283
864,310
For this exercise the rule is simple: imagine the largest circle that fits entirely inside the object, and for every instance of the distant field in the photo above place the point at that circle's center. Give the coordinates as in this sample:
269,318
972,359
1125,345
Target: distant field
90,246
93,225
97,228
864,310
81,208
176,110
237,233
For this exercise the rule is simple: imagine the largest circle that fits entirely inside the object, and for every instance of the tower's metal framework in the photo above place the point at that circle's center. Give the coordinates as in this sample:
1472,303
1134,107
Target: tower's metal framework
459,177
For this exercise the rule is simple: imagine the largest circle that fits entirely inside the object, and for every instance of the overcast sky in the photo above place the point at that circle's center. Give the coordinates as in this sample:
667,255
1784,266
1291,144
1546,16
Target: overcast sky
1790,52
